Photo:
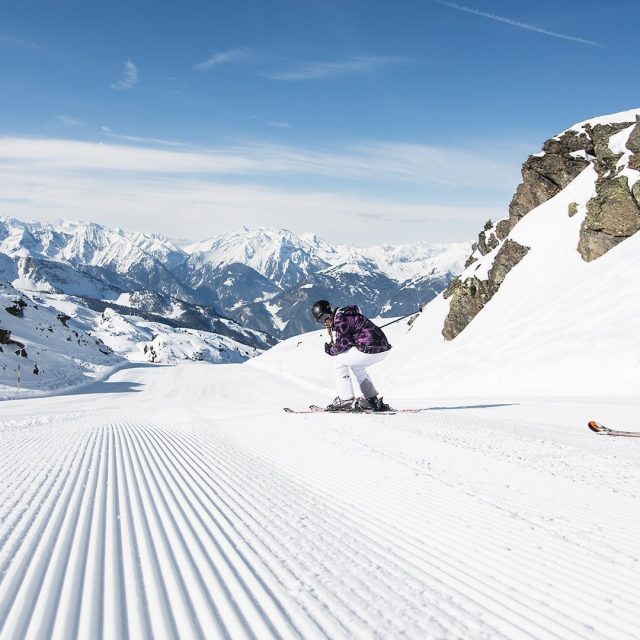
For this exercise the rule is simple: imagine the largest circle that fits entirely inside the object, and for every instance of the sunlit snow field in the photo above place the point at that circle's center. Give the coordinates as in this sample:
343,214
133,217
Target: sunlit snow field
183,502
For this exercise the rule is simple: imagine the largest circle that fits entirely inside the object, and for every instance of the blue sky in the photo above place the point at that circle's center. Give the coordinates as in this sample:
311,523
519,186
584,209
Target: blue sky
363,121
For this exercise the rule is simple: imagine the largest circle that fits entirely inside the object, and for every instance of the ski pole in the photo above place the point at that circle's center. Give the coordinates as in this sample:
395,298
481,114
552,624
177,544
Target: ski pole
413,313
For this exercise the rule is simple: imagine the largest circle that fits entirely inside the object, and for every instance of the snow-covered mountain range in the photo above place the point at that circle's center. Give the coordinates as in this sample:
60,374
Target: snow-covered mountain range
53,341
265,279
142,297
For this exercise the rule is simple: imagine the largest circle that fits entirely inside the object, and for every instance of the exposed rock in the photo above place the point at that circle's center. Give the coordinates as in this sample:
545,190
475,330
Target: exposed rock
569,142
612,215
469,296
5,338
17,308
633,144
470,260
502,229
546,175
63,318
543,177
487,242
605,159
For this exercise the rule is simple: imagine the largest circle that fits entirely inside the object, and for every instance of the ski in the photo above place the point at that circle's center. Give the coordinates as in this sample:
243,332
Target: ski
314,408
309,410
605,431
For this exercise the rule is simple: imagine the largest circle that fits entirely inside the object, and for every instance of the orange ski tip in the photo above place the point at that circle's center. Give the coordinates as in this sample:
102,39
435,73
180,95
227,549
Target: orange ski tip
595,426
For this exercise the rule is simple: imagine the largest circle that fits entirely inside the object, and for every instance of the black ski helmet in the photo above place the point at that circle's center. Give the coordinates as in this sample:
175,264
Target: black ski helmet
321,310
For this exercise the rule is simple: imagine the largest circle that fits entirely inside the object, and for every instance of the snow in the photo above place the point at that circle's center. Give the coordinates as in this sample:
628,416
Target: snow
50,351
169,502
557,324
264,249
73,352
274,311
614,118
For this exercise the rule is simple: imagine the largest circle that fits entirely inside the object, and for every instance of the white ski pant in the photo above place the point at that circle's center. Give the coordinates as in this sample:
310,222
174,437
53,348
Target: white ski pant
355,362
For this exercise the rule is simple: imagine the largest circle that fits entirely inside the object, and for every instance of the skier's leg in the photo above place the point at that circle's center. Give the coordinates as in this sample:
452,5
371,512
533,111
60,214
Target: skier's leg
345,397
358,363
344,387
364,381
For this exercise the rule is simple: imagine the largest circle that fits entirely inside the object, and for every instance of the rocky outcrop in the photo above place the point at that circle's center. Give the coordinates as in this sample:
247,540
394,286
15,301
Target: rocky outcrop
6,339
633,144
469,296
612,215
545,175
605,158
16,308
562,159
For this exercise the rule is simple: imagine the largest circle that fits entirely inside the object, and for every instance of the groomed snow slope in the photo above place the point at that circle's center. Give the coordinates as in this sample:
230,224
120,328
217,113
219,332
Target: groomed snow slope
181,502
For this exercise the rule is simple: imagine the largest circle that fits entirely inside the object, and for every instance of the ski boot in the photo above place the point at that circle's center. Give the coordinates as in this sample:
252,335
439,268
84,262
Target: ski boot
341,405
372,404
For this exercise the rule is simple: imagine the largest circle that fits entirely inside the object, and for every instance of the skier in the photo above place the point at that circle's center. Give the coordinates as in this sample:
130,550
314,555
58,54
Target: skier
356,343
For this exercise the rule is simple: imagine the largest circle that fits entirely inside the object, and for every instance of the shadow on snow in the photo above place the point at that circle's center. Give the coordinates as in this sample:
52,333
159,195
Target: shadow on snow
472,406
111,386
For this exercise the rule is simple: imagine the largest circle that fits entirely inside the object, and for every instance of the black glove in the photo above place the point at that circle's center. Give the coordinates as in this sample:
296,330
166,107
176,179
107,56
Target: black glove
327,347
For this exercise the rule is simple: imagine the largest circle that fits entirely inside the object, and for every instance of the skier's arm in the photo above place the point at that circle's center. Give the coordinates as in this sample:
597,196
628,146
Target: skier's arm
342,337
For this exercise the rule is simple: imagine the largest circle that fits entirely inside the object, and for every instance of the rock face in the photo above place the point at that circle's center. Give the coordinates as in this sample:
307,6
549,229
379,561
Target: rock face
633,144
612,215
546,175
470,295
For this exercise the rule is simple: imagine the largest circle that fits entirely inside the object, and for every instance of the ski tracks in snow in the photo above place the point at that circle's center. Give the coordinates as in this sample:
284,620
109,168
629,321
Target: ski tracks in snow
529,555
128,534
124,522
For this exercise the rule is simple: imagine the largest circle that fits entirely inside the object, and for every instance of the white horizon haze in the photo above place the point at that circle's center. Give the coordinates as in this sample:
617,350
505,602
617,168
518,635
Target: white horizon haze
360,192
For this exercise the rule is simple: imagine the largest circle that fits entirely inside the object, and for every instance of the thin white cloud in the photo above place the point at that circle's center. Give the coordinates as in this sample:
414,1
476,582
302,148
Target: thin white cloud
201,208
220,58
69,121
388,162
188,192
516,23
130,77
142,139
279,124
329,69
20,43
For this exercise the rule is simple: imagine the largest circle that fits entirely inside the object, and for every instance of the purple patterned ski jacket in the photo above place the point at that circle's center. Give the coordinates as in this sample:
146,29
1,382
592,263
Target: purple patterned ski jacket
352,329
